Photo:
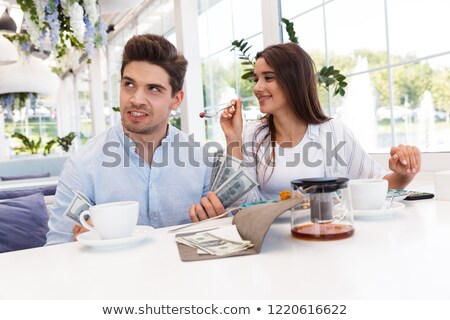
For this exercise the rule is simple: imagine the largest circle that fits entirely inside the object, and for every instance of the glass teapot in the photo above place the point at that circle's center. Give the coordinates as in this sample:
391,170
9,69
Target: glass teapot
324,213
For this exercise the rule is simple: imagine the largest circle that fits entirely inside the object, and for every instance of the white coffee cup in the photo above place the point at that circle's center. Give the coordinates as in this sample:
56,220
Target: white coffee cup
368,194
442,185
112,220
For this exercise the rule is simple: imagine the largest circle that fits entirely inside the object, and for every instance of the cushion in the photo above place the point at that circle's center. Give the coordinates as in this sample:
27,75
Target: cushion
9,194
23,223
29,176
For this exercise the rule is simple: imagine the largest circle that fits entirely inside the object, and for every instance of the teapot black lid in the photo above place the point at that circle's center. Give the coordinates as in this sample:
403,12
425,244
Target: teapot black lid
323,184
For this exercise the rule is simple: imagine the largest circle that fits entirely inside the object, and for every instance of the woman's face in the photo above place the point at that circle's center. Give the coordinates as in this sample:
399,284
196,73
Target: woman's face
269,94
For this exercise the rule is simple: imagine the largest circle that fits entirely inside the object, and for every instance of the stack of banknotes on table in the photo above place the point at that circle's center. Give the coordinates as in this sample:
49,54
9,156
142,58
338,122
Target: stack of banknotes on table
229,180
223,241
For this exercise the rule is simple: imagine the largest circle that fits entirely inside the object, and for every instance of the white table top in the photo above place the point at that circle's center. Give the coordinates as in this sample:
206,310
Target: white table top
28,183
404,256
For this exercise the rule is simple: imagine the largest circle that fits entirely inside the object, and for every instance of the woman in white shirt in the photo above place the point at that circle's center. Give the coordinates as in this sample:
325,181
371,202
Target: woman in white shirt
296,139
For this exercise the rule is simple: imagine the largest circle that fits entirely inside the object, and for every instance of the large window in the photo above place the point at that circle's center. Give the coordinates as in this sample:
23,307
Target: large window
84,115
397,60
33,116
221,22
156,18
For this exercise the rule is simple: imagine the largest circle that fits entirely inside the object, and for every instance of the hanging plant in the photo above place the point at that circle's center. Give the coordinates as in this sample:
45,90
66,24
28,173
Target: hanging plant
9,101
68,24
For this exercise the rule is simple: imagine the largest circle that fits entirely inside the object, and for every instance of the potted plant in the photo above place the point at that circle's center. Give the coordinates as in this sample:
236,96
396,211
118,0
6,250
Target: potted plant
328,77
32,146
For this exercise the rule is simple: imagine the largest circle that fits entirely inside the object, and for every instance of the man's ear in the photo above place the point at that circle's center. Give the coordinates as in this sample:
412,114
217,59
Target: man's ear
177,99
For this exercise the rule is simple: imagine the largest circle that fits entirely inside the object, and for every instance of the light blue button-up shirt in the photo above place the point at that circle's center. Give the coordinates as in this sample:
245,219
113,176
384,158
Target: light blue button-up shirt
107,169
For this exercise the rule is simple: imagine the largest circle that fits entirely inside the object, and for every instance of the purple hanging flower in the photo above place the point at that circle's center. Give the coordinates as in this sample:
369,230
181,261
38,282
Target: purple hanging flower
42,38
69,24
52,19
8,100
89,36
33,100
101,36
26,47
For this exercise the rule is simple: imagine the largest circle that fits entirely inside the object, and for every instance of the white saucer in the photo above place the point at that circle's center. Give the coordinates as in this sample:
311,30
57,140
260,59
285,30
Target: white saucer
379,213
93,239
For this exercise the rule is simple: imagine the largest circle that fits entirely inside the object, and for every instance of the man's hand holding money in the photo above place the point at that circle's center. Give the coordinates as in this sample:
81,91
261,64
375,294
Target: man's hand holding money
230,183
209,207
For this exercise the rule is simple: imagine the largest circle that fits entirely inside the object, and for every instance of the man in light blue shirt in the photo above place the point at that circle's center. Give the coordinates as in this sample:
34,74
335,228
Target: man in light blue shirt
144,158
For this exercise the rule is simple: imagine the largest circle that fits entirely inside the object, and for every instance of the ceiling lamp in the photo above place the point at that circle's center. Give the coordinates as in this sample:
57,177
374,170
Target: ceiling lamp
7,24
30,75
8,51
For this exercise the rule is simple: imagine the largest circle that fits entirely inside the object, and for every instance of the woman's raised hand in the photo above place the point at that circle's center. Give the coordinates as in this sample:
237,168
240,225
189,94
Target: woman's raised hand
231,121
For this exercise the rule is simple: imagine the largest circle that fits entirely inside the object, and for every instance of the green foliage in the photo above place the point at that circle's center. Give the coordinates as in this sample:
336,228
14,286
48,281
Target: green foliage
16,98
48,146
328,77
332,78
58,70
412,81
61,22
175,120
66,141
66,36
33,146
116,109
409,81
29,145
243,48
244,86
290,30
374,58
440,89
21,38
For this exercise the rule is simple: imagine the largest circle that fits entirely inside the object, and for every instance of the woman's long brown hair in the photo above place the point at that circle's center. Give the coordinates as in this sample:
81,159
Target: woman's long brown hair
296,75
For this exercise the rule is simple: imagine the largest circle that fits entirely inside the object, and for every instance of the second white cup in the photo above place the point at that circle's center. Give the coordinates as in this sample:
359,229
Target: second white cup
112,220
368,194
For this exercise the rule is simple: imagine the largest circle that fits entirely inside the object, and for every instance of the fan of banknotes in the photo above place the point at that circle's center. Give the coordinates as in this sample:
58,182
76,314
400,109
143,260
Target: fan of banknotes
229,180
219,243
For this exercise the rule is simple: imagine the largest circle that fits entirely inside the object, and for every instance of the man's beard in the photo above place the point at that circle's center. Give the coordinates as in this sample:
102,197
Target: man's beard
131,128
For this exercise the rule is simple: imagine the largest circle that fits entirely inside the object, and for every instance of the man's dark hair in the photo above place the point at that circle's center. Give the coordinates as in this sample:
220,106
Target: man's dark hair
159,51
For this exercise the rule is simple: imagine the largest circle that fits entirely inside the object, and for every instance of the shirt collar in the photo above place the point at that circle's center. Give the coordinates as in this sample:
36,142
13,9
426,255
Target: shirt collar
129,143
313,131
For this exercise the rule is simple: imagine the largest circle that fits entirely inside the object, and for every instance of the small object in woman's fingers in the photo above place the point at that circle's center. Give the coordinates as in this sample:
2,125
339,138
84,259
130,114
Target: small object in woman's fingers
212,115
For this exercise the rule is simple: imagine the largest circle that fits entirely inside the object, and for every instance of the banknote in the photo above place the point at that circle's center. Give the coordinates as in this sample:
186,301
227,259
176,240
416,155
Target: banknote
78,204
218,160
235,187
213,244
229,167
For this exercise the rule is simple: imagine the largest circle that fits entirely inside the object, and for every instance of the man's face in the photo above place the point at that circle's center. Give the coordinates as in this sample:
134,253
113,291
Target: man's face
146,98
